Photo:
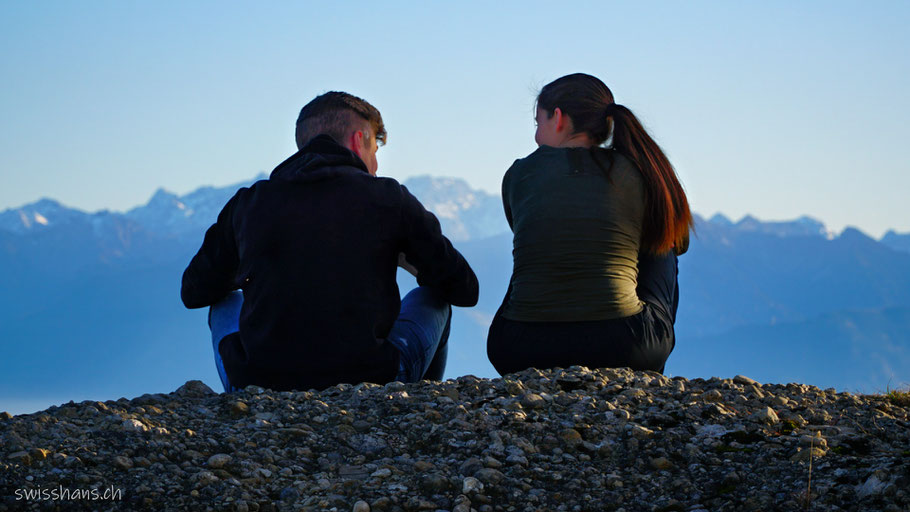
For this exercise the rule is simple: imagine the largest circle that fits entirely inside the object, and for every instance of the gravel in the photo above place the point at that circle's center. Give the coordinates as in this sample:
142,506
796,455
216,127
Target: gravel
564,439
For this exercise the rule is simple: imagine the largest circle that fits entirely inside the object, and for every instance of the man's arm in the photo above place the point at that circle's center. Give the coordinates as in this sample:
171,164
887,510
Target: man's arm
211,274
439,265
403,263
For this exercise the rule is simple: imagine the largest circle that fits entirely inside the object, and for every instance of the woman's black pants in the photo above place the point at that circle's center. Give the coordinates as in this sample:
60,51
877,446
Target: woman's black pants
641,342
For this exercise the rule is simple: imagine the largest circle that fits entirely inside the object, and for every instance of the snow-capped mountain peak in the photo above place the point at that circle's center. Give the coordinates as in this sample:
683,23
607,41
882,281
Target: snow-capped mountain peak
41,214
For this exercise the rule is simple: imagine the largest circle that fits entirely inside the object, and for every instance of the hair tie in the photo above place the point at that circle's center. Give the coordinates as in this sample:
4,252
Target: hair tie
610,109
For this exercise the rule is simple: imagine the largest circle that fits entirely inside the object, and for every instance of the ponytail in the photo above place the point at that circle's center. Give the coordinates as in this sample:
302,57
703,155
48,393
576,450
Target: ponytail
590,105
667,218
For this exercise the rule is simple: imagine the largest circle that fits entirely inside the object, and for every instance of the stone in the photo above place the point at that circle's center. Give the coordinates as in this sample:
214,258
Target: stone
713,395
204,478
20,457
239,409
816,441
489,476
218,461
382,473
289,494
121,462
361,506
134,425
471,485
434,483
470,466
533,401
661,463
570,436
804,455
746,381
639,432
194,389
766,415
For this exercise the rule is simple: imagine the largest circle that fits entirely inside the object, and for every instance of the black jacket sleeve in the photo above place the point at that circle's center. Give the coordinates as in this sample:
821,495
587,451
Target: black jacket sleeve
439,265
211,274
506,196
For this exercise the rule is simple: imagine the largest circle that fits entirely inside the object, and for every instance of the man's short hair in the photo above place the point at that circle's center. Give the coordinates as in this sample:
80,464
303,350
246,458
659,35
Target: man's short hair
337,114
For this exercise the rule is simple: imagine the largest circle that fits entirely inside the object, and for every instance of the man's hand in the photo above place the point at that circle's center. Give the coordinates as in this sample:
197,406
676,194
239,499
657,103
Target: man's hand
403,263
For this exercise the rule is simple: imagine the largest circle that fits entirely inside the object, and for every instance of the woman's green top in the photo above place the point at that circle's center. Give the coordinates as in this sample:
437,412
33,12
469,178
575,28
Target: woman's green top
576,215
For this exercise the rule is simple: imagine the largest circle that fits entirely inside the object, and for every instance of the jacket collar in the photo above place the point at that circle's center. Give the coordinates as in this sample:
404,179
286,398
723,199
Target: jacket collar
321,157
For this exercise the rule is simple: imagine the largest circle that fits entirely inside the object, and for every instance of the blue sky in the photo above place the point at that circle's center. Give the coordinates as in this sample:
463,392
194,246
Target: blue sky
777,109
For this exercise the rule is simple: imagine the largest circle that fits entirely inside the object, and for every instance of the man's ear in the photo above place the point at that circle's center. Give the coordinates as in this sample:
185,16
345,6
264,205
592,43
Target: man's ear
355,143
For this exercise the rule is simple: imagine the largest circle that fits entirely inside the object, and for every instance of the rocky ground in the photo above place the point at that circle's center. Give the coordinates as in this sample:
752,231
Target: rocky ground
575,439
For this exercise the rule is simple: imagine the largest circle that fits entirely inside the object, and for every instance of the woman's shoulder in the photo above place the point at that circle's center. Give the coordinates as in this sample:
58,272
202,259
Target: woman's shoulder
540,155
543,158
621,168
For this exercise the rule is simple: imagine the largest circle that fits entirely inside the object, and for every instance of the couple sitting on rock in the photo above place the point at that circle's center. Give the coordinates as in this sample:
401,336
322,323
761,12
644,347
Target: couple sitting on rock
315,249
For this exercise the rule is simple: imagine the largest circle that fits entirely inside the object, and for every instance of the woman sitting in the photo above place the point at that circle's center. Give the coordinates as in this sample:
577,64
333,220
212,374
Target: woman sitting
596,234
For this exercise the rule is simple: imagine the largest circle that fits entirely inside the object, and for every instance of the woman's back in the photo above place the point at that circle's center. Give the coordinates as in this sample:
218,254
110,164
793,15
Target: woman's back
596,235
576,214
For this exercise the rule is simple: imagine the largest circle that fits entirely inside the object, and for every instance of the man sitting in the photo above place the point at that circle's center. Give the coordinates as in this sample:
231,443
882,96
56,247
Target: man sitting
315,249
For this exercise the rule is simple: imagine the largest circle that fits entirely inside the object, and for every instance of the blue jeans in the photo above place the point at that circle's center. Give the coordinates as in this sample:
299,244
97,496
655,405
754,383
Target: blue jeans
420,334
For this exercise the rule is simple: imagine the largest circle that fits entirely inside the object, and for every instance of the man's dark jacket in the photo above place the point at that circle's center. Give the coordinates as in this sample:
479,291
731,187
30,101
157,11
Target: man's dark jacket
315,249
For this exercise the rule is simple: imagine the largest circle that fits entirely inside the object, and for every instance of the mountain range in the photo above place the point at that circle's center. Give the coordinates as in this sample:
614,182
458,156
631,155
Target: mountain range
90,308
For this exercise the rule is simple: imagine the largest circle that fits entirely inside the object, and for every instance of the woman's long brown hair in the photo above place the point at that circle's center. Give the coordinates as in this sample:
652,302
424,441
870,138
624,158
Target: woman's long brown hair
589,104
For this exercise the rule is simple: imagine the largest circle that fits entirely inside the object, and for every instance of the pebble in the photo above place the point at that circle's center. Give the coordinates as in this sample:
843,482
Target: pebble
471,484
122,462
766,415
219,460
239,409
134,425
660,463
533,401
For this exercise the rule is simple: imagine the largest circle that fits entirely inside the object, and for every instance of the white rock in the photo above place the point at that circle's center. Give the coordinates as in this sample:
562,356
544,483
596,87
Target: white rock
766,415
471,484
134,425
382,473
873,485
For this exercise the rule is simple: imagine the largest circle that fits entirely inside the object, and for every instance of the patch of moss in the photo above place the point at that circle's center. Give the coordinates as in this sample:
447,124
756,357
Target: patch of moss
840,450
898,398
788,426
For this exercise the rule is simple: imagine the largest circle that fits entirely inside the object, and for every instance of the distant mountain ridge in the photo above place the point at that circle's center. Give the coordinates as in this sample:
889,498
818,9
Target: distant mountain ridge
803,226
89,302
464,212
898,242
